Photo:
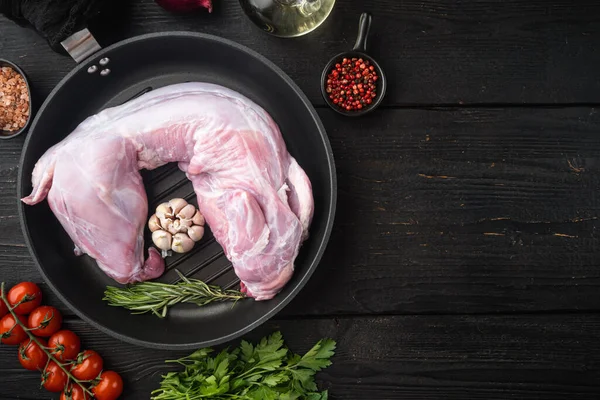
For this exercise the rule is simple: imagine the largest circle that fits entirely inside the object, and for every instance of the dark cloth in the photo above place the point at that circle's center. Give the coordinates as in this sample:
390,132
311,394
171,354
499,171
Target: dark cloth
55,20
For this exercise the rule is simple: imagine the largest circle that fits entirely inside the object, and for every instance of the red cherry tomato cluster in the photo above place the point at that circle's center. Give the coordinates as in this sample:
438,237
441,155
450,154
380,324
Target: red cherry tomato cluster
64,367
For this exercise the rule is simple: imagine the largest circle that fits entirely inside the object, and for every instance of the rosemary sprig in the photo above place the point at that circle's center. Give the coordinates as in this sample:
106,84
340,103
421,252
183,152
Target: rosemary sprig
157,297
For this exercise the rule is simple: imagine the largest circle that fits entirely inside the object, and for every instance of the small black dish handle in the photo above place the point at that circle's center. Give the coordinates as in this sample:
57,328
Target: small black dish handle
364,26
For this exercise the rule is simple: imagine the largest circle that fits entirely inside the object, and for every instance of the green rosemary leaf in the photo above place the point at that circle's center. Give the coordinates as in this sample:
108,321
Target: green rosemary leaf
156,297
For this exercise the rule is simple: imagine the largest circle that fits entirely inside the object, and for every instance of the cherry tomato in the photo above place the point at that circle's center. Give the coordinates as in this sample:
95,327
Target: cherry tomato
64,345
54,379
29,293
3,308
17,334
110,386
87,366
31,356
45,321
74,392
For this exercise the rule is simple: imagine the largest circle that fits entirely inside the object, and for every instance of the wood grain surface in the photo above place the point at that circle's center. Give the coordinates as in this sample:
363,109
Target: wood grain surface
399,357
433,51
464,261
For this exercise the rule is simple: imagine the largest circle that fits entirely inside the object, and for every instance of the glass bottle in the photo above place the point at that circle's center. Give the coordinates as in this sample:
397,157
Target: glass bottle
288,18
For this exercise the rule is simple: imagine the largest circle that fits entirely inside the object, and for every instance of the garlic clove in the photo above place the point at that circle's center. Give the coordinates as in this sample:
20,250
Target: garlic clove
172,226
198,218
178,226
165,223
162,239
182,243
196,232
177,205
154,223
185,224
164,211
187,212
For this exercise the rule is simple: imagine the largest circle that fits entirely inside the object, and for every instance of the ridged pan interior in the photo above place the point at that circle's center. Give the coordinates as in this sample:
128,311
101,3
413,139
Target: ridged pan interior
137,66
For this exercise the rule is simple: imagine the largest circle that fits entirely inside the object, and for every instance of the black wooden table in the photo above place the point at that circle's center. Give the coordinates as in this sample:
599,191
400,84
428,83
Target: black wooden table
465,258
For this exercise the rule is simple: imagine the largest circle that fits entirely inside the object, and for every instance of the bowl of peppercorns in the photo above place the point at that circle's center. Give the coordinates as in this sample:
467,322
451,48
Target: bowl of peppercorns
353,83
15,100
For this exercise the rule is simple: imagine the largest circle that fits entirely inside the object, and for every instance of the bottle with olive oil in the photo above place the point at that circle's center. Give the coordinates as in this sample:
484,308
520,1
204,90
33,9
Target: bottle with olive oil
288,18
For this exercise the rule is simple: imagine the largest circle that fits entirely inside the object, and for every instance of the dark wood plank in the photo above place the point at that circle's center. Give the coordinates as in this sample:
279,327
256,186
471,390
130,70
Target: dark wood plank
440,211
434,51
462,211
413,357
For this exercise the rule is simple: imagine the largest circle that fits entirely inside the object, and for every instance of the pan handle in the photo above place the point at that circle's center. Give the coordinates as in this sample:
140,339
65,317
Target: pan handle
81,45
364,26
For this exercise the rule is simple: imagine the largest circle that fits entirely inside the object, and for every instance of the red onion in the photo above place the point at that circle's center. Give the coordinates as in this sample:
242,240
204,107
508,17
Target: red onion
185,5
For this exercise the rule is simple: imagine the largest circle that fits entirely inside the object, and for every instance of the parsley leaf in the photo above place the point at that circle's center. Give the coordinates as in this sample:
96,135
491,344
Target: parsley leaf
263,393
276,379
318,357
247,351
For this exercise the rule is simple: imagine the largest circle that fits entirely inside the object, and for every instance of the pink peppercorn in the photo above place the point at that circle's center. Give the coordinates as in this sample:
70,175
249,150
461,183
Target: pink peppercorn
351,84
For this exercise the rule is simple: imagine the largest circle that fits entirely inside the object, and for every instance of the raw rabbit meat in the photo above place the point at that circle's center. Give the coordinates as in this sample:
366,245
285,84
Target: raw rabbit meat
255,197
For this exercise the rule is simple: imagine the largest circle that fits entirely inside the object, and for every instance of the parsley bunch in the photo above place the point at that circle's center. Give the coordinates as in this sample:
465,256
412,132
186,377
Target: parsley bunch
267,371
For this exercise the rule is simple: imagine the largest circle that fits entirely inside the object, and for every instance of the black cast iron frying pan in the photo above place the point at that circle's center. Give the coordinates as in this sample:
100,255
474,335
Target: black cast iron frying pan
136,66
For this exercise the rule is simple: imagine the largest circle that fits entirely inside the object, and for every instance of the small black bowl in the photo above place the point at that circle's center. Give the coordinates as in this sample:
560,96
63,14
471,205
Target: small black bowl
359,51
12,134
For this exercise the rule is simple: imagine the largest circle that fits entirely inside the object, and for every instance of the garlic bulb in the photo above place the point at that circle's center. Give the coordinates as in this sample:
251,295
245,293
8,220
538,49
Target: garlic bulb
176,226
